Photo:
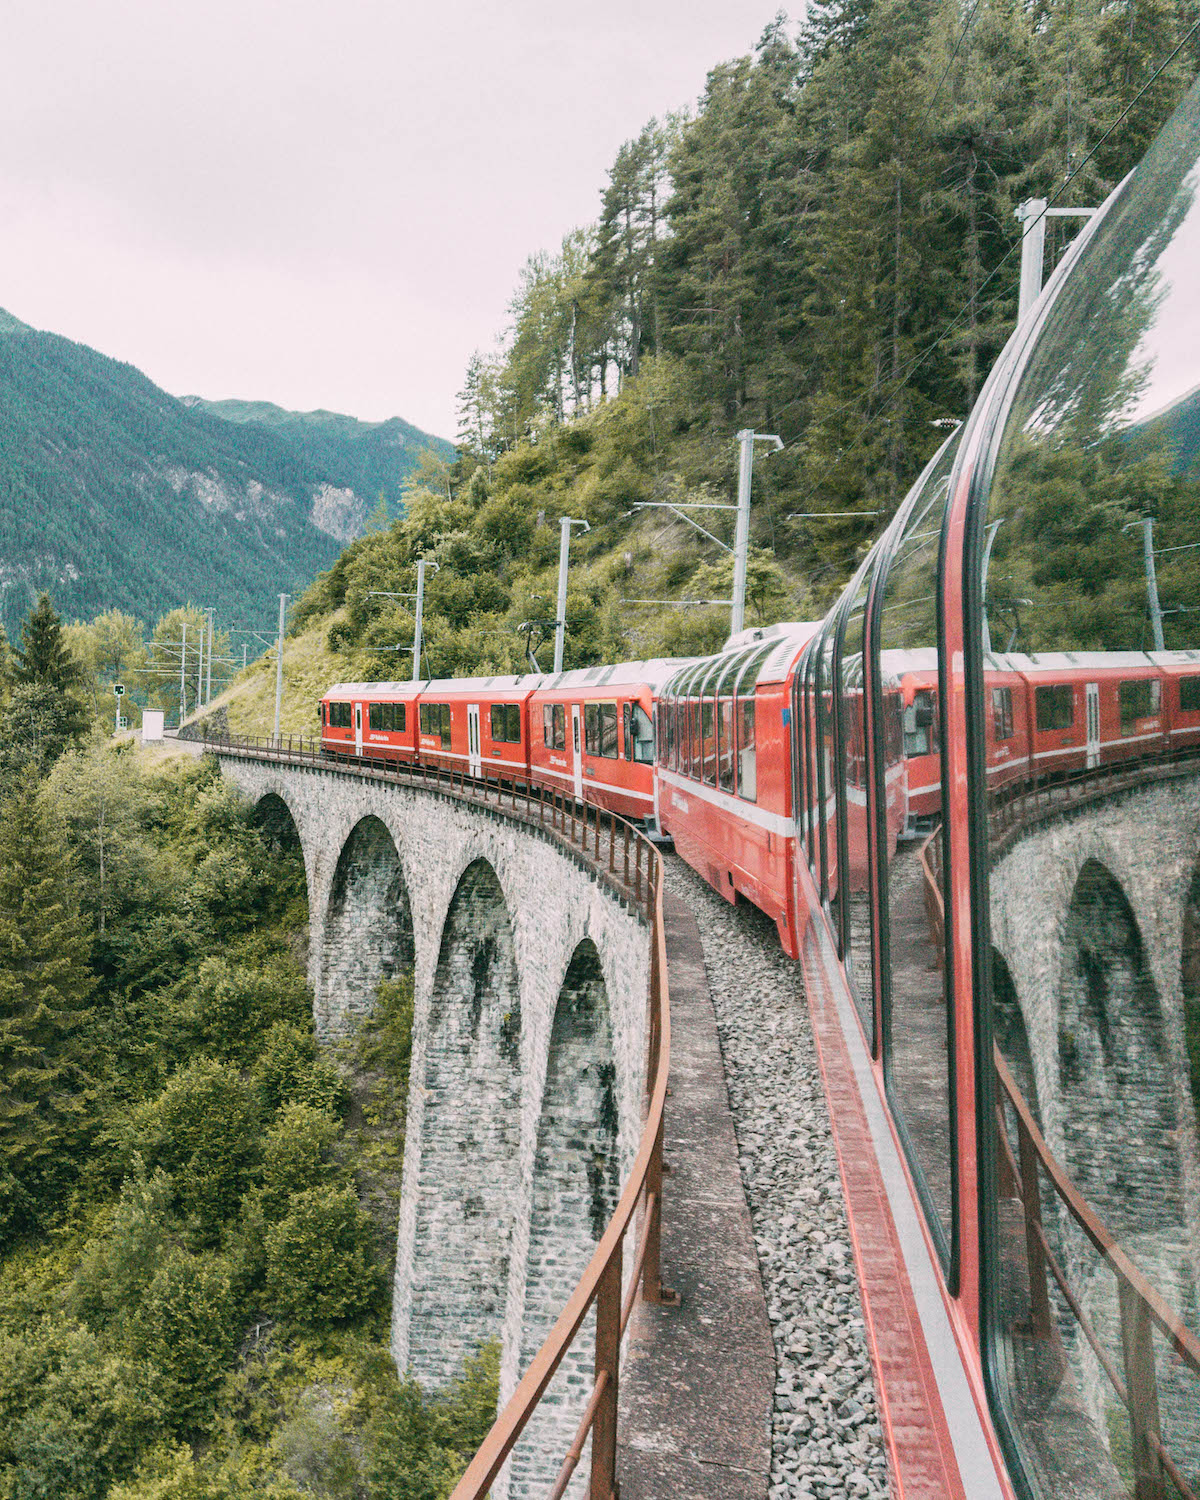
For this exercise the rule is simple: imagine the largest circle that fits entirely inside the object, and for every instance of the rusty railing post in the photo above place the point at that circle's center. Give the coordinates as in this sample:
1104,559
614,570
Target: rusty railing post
1137,1347
1031,1203
608,1356
612,846
626,827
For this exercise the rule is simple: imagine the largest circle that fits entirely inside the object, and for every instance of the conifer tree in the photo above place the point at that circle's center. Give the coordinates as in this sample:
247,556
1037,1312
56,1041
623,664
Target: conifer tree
47,1090
45,657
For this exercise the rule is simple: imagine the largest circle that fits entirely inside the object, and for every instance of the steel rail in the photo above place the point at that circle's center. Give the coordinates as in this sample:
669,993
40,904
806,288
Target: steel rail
601,1282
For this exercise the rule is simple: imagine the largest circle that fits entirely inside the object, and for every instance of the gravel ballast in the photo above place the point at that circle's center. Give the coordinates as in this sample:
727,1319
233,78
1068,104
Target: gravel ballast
826,1439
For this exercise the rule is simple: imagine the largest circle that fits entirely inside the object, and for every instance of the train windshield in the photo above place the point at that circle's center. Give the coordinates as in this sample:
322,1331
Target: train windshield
1088,536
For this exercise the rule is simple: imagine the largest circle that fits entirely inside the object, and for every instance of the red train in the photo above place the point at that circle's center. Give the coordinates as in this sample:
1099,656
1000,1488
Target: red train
1005,1055
587,733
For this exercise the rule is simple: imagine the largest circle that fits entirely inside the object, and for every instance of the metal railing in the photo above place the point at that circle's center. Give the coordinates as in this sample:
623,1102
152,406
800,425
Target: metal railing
1142,1309
1018,803
629,863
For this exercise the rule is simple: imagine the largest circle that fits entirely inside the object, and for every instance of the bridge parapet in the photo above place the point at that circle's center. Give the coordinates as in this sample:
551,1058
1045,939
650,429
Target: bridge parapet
533,931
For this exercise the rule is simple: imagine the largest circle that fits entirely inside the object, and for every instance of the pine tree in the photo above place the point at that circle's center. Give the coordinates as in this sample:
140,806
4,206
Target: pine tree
46,658
47,1091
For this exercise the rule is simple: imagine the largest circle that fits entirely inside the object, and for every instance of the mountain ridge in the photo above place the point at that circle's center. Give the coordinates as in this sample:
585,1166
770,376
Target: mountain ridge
116,494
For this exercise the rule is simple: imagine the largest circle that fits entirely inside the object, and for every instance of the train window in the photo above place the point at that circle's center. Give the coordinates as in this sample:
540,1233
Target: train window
339,716
920,723
917,1033
810,741
1088,974
374,715
1189,694
1002,718
854,828
746,746
824,751
643,734
506,723
1054,706
708,737
1139,699
435,720
725,747
600,729
554,725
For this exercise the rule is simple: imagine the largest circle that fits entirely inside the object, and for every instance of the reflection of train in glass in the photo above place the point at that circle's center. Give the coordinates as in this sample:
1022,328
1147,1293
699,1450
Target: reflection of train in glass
1003,1023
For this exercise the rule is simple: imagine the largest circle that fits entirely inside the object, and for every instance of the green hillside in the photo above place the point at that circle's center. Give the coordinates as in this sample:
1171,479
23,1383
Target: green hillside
114,494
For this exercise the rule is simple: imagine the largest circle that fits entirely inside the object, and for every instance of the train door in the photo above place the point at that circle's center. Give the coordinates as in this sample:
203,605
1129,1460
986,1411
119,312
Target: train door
474,754
576,752
358,729
1092,693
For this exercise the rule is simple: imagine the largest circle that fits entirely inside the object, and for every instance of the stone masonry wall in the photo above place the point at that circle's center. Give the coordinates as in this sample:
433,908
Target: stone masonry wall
552,904
471,1137
576,1185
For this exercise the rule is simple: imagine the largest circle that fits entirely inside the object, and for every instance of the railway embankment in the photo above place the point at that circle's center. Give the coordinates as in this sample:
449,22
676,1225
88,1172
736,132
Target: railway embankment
825,1436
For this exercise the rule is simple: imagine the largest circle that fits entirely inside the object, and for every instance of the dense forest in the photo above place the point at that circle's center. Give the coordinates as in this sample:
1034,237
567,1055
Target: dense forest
197,1204
826,249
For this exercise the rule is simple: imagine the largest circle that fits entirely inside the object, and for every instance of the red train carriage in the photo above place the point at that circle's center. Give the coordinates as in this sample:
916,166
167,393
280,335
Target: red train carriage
1181,695
592,736
371,718
1089,709
725,793
479,725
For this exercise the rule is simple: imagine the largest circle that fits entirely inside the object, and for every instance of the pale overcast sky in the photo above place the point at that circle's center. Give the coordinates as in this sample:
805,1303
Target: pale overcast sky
318,204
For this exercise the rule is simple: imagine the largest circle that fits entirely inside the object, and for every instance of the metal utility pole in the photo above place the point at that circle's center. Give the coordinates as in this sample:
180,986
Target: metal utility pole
208,686
419,615
1032,216
741,543
1156,614
560,614
183,676
283,599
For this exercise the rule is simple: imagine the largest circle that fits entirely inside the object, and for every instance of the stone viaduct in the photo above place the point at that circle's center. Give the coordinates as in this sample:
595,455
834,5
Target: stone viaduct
1096,965
529,1044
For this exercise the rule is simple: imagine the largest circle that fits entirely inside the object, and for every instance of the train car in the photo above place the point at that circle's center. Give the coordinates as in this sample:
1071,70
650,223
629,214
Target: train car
1090,708
479,725
724,758
1181,698
370,718
998,1011
592,736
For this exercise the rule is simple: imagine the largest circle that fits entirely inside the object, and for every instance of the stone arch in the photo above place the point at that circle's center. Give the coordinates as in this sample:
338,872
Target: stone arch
470,1149
1119,1118
368,930
576,1185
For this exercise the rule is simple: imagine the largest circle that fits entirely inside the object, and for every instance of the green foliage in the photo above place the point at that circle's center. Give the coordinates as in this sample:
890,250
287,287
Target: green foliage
76,1414
295,1156
291,1069
187,1328
320,1259
201,1130
47,1083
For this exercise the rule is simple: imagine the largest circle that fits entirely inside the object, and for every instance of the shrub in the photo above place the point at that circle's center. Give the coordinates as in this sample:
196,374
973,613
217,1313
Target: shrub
291,1069
202,1129
187,1328
320,1259
295,1155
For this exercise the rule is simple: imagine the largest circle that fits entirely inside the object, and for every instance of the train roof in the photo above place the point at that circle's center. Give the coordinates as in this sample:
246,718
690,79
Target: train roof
376,689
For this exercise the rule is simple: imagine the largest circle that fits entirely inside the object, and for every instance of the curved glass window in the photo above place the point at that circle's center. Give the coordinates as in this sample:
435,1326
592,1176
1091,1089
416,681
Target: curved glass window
725,743
918,1041
745,714
810,755
1086,520
854,903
